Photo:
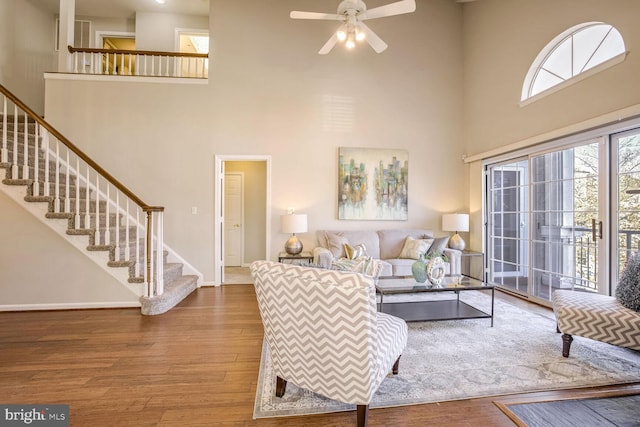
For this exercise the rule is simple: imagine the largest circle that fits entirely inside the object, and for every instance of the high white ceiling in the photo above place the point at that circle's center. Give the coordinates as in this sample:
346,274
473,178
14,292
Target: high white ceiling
128,8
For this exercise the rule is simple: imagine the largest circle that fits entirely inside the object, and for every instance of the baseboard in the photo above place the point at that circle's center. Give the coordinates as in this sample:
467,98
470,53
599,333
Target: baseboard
70,306
209,284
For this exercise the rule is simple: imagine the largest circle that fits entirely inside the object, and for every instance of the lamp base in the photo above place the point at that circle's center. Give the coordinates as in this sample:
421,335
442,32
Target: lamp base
457,242
293,246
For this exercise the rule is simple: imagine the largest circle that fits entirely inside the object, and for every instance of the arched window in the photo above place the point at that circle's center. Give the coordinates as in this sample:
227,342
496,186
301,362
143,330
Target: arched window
572,54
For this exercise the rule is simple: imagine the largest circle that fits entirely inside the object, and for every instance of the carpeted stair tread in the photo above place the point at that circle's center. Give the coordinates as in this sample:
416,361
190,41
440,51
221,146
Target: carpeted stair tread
174,292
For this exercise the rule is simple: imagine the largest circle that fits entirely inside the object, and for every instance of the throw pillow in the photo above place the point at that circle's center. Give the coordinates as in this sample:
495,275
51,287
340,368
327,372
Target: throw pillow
628,290
335,243
413,248
353,252
438,246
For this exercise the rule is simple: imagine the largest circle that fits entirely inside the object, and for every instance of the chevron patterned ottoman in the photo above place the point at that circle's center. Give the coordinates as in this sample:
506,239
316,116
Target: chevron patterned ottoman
595,316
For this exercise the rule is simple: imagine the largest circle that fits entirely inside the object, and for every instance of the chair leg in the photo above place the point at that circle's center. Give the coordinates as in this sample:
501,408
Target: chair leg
396,366
281,386
566,344
363,413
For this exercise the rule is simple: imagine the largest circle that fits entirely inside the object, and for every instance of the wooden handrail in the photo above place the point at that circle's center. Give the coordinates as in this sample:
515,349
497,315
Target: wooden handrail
145,207
137,52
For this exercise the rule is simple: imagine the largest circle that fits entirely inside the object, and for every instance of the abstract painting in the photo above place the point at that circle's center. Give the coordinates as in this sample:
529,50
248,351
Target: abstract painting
373,184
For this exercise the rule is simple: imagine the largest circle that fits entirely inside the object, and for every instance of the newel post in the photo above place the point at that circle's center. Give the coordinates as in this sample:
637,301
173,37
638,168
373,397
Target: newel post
154,251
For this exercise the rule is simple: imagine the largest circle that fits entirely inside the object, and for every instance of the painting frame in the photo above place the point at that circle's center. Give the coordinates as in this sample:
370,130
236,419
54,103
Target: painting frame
373,184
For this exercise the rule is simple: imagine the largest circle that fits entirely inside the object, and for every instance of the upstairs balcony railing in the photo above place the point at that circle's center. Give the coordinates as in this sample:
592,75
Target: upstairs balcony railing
78,189
119,62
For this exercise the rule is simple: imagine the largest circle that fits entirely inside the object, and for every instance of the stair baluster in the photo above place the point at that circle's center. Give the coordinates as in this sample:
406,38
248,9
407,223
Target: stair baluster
56,200
14,166
3,150
25,150
117,226
45,145
67,198
96,237
107,236
35,187
77,216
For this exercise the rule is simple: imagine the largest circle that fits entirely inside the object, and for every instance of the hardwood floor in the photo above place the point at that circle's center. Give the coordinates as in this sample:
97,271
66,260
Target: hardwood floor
196,365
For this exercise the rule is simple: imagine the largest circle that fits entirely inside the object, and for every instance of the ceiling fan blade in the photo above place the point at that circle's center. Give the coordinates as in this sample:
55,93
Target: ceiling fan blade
329,45
372,38
296,14
397,8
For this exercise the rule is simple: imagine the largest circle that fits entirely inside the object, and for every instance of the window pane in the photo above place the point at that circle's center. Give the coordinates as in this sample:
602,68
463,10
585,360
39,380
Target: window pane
544,81
559,62
613,45
585,42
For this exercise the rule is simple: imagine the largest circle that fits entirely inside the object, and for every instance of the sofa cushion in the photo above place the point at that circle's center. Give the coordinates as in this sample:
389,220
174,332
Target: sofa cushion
401,266
335,243
369,238
439,245
353,252
414,248
392,241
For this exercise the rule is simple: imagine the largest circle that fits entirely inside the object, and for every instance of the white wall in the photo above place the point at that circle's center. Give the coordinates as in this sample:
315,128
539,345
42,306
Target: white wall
38,267
268,94
501,40
156,31
26,52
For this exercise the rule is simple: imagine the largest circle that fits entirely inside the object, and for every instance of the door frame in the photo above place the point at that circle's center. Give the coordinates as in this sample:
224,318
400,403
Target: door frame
218,225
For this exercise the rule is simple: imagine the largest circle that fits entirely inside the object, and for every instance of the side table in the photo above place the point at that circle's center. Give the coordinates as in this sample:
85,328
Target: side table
302,257
472,264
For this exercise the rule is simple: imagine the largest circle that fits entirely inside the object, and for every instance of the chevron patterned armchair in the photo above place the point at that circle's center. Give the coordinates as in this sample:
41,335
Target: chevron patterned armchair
594,316
324,332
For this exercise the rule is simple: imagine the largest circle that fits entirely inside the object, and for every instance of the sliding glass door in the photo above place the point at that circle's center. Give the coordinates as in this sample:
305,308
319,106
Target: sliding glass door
546,221
626,194
567,217
507,224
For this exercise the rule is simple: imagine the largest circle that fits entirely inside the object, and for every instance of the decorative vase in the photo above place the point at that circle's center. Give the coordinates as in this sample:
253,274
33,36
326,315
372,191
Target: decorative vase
435,270
419,270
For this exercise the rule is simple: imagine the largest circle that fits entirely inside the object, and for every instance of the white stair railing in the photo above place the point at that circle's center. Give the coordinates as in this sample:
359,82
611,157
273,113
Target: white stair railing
119,62
96,204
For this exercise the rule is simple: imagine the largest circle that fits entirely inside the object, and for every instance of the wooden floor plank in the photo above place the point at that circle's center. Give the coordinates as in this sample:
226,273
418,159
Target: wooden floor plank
196,365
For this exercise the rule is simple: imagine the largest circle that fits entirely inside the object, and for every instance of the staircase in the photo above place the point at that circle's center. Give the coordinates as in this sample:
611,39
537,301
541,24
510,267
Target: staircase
91,209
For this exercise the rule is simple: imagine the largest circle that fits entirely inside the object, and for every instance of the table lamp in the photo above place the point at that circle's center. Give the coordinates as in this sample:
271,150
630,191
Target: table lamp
293,223
456,222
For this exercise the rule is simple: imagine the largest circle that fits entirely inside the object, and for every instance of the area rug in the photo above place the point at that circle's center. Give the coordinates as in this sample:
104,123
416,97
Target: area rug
618,411
462,359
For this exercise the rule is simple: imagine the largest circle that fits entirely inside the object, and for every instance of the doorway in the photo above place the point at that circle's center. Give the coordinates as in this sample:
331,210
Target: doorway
242,215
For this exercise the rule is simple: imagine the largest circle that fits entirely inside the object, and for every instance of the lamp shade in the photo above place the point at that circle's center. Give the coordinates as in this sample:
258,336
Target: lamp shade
293,223
455,222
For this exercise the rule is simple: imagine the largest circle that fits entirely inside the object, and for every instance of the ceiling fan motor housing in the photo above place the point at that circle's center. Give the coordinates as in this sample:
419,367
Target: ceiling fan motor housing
356,6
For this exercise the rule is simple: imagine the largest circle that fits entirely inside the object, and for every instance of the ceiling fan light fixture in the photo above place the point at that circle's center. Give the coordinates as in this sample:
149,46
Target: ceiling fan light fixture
342,35
350,44
360,35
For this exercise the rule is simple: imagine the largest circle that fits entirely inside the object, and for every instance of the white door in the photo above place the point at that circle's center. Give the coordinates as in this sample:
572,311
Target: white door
233,219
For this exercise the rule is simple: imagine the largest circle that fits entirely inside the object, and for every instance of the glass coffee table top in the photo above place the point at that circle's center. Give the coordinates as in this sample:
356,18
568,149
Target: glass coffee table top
400,285
441,309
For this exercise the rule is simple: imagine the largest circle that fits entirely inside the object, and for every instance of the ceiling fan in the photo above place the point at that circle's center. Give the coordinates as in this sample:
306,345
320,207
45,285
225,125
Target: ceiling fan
352,13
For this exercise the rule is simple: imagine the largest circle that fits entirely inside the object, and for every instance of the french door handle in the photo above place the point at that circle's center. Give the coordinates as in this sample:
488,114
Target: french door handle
595,234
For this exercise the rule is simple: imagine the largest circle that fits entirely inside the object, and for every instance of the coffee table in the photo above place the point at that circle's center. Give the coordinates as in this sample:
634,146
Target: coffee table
437,309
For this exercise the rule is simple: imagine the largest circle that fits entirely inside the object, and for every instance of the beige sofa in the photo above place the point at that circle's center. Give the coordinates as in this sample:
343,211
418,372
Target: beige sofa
384,245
